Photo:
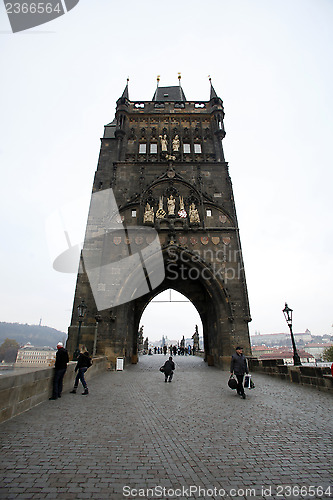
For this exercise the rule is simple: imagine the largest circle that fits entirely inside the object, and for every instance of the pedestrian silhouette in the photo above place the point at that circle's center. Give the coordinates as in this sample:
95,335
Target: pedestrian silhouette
169,367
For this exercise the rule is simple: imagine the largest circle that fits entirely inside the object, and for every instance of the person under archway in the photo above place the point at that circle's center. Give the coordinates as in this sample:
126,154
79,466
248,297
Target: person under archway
239,367
168,369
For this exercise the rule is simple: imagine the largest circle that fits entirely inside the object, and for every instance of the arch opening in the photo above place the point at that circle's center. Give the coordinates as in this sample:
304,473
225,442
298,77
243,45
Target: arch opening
168,318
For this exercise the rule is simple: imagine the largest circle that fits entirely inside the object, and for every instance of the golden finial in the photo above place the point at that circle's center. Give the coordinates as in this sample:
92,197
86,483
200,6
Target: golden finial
179,76
158,79
209,78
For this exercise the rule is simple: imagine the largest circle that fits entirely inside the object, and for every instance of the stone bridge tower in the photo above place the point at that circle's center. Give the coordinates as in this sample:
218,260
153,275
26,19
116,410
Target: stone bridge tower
163,160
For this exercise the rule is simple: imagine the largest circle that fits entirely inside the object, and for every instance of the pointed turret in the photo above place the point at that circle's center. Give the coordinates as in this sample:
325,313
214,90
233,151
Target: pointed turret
125,93
213,94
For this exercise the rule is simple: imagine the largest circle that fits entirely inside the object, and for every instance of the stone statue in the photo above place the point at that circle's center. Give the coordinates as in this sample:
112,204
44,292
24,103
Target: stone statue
160,214
171,205
194,215
164,142
149,214
140,339
176,143
195,338
145,345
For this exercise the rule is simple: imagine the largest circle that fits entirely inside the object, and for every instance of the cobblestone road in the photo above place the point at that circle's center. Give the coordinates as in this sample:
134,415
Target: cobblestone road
193,438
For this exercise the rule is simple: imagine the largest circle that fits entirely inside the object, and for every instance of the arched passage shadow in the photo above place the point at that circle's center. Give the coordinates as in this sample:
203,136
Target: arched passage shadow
187,274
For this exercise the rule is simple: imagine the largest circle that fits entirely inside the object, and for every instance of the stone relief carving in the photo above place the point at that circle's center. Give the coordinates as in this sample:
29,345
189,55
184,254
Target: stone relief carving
171,205
164,142
160,214
149,214
194,214
182,212
176,143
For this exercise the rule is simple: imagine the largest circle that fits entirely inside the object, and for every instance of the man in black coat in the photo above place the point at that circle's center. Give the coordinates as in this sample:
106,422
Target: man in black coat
60,369
82,365
239,368
168,366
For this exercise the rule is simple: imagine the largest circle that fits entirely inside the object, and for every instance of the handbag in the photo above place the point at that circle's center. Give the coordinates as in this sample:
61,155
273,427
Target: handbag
248,382
232,382
162,369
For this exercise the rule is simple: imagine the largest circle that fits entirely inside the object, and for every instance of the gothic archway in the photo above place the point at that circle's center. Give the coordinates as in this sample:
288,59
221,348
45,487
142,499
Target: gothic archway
192,277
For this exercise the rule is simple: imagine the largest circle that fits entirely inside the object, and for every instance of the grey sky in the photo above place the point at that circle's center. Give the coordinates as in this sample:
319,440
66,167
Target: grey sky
270,62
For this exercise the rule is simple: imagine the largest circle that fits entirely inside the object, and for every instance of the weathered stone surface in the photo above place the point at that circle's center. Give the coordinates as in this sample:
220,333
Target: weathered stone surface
21,390
154,152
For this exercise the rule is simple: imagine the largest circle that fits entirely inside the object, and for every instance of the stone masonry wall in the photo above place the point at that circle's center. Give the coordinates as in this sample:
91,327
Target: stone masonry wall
21,390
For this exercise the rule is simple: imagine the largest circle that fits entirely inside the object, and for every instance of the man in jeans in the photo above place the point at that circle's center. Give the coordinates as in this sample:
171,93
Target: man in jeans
60,370
239,368
83,363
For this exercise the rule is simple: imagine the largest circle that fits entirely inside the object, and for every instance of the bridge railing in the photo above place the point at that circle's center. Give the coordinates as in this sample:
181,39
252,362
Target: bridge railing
22,389
314,376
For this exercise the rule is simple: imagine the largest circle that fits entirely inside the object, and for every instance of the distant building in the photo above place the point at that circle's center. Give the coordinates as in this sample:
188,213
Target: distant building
280,339
317,349
285,353
30,356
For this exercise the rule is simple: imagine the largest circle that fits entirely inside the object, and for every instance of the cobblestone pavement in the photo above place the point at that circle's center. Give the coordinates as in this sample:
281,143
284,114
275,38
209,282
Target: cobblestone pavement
193,438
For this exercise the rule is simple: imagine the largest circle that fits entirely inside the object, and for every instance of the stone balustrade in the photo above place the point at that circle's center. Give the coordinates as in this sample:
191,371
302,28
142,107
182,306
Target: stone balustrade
313,376
21,389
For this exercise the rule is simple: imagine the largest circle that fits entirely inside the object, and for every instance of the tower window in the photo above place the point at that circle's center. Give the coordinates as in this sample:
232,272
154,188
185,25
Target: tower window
133,213
186,147
153,147
197,148
142,148
208,213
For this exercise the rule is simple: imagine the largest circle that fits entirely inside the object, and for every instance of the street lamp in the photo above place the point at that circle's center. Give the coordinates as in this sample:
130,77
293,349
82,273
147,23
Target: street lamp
98,319
288,314
81,309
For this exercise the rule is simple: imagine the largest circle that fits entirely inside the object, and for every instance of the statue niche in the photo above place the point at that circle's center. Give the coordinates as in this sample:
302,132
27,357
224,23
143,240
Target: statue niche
194,214
148,217
171,205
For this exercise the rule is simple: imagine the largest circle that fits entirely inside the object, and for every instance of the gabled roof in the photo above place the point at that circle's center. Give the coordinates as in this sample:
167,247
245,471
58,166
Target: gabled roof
169,94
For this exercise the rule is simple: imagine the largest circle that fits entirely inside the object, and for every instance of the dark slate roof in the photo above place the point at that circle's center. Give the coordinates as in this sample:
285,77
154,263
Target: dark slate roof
109,129
125,93
169,94
213,94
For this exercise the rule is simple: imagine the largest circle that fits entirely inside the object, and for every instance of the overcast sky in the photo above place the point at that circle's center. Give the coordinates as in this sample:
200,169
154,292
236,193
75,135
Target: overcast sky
270,62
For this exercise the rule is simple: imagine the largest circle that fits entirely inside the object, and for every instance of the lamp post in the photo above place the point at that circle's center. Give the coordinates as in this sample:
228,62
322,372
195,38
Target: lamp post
288,314
98,319
81,309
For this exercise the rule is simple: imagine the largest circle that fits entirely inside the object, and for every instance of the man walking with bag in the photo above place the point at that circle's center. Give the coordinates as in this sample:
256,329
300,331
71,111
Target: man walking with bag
239,367
169,367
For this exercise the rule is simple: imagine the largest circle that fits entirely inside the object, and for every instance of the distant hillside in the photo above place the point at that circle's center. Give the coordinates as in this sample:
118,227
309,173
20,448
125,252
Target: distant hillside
35,334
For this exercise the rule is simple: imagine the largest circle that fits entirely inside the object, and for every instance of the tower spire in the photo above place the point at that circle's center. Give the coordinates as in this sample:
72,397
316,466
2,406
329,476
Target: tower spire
213,94
125,93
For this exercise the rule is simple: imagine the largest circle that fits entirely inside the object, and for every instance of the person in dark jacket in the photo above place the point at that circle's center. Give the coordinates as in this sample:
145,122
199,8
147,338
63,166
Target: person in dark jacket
239,367
168,366
60,369
82,365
